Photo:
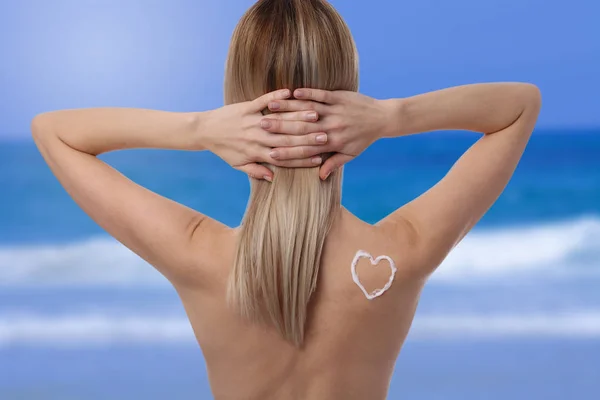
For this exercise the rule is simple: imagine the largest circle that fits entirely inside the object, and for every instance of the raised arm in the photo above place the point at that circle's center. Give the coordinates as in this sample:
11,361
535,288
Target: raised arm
166,234
504,112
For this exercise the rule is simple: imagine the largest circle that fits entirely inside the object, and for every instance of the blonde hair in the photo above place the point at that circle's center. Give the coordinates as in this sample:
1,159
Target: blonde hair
286,44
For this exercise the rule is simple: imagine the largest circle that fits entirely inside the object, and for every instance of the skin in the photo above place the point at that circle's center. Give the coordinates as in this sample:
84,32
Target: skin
351,343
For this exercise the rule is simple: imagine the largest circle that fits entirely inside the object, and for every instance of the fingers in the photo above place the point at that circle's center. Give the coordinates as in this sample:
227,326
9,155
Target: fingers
275,125
296,153
257,171
303,163
262,102
334,162
322,96
311,116
296,105
314,139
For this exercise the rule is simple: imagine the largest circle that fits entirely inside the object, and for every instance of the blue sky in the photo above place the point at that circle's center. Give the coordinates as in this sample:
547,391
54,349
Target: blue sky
169,54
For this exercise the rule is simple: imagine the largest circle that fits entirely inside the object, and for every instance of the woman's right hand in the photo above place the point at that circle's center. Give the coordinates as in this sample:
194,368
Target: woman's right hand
351,120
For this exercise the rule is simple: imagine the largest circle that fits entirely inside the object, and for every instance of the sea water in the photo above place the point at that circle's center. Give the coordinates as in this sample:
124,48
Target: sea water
514,312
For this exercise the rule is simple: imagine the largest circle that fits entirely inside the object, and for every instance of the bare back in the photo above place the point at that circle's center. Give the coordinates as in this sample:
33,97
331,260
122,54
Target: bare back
339,359
351,343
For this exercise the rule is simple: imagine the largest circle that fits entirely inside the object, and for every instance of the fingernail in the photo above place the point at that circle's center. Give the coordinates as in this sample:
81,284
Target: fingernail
322,139
311,116
298,93
327,176
317,160
268,178
265,123
274,106
284,93
274,154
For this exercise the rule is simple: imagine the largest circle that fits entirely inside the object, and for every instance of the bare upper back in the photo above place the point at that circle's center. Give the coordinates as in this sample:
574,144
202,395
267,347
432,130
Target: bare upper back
351,342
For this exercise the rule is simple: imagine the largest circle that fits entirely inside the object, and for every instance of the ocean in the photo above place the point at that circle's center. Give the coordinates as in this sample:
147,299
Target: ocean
514,312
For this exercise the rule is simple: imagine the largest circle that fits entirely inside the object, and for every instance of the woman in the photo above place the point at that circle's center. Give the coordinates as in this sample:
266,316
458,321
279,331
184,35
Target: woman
287,305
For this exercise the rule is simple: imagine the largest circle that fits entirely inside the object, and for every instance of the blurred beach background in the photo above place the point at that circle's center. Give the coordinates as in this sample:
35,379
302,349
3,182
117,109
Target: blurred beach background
514,312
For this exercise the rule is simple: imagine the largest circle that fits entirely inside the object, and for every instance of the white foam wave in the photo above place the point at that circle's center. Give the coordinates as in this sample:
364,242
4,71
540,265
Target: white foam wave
92,329
102,329
565,248
95,261
578,325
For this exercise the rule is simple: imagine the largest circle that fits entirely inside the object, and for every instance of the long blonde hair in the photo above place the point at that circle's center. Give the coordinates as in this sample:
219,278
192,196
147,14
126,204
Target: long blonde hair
286,44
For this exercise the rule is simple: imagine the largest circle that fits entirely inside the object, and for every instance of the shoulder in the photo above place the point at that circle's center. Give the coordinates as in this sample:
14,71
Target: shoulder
211,252
402,239
396,238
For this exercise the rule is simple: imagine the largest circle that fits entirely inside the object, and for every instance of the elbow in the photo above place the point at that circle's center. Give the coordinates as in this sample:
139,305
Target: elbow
532,96
40,125
529,100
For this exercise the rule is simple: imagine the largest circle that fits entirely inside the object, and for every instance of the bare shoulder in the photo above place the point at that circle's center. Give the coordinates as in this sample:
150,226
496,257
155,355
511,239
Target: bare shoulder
395,238
213,244
401,237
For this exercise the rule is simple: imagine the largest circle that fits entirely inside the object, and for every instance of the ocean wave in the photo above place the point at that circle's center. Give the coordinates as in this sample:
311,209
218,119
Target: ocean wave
92,329
95,261
562,248
104,329
574,325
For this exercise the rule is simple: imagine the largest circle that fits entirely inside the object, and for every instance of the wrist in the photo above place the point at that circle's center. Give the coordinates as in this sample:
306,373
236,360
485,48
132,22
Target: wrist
394,110
199,131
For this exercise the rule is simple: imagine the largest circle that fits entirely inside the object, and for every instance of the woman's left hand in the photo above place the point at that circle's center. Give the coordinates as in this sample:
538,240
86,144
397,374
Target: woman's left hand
237,134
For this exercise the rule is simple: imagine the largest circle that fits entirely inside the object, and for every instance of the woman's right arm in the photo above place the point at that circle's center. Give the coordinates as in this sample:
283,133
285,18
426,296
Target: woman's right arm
438,219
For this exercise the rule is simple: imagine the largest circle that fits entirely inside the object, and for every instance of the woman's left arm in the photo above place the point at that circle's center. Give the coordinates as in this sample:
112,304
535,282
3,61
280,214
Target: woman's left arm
163,232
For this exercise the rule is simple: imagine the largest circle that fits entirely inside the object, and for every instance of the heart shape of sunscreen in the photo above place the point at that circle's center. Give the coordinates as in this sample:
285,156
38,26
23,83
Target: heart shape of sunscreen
377,292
